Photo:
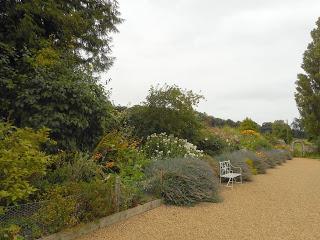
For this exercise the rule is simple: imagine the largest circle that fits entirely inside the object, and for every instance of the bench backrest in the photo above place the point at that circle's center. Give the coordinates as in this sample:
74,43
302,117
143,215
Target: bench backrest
225,167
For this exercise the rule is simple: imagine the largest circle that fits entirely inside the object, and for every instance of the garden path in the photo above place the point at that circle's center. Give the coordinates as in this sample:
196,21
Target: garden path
282,204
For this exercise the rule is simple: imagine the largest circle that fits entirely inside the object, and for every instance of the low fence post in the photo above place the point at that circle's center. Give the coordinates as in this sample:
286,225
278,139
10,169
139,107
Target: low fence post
117,193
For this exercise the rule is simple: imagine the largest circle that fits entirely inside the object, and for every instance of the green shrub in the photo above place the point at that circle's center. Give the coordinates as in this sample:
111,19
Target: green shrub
95,199
253,169
161,146
9,232
231,136
182,181
252,140
71,167
21,161
58,212
118,154
211,144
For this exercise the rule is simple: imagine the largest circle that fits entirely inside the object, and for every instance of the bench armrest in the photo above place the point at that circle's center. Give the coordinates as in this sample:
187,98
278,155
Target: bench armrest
240,169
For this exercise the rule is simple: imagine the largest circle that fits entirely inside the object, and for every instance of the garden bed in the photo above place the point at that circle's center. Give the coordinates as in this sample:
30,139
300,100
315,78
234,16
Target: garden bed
82,229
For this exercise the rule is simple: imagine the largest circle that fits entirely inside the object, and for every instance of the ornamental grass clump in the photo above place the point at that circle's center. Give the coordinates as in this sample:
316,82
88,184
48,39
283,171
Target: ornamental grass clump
182,181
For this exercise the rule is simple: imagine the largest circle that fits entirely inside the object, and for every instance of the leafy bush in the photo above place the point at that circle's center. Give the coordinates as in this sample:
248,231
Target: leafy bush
210,143
253,169
71,167
8,232
253,140
57,213
167,109
183,181
161,146
249,124
119,154
230,136
237,159
95,199
21,161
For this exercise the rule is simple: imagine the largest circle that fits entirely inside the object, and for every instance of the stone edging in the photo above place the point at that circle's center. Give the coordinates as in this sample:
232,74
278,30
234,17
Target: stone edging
82,229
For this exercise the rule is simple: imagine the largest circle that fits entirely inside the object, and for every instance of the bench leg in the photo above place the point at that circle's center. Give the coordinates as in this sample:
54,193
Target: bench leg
230,181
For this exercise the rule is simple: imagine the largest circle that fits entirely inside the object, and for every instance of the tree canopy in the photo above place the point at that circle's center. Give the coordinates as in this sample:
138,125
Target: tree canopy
167,109
308,86
48,30
49,54
249,124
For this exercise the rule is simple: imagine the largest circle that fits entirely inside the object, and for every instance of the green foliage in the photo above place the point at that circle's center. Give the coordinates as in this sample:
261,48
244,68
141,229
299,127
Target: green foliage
118,154
21,161
58,213
95,199
51,29
211,121
231,136
68,101
282,131
10,232
49,51
183,181
253,169
308,86
162,146
168,109
266,128
248,124
211,143
252,140
70,167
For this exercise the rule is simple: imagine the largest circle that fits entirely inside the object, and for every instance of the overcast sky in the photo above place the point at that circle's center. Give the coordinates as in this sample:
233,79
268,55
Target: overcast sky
242,55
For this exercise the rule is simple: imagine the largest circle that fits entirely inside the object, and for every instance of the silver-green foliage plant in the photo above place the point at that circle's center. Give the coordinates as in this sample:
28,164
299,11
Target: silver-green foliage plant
238,159
183,181
162,146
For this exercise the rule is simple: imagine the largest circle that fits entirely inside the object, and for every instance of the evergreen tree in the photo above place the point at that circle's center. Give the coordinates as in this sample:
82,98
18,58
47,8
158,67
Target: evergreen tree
308,86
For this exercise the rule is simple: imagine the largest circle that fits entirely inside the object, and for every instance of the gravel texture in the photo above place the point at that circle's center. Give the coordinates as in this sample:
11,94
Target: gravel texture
282,204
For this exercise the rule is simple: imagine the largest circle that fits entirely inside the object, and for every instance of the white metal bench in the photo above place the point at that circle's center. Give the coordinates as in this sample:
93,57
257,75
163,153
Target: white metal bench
228,171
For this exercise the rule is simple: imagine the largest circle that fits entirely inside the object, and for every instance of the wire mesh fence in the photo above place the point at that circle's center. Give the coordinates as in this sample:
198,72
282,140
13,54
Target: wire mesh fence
41,218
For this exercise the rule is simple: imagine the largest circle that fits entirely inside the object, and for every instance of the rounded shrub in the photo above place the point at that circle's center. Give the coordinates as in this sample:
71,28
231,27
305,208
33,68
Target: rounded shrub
182,181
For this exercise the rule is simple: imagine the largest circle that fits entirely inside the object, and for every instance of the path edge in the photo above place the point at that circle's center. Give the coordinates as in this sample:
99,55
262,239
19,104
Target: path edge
83,229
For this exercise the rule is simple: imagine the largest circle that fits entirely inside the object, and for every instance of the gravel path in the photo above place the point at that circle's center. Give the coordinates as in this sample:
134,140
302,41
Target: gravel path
282,204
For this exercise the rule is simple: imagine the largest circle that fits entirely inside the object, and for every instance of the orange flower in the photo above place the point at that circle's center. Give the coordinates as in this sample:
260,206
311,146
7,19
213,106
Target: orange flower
249,132
97,156
109,164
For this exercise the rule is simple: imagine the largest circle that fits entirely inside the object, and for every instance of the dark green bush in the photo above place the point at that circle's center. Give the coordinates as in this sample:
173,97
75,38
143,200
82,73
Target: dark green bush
182,181
211,144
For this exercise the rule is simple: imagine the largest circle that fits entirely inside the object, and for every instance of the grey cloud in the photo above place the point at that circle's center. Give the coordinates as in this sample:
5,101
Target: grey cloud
242,55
